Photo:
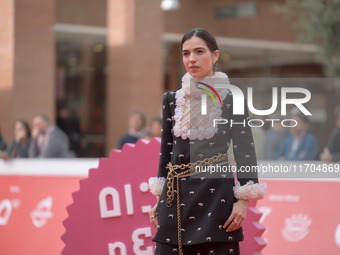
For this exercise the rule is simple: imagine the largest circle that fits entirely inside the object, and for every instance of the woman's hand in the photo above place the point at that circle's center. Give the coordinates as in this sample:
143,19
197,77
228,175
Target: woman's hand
35,133
20,136
4,155
153,215
326,155
237,216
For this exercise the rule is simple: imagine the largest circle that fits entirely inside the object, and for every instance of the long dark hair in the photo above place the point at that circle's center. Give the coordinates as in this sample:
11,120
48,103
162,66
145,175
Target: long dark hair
203,34
26,126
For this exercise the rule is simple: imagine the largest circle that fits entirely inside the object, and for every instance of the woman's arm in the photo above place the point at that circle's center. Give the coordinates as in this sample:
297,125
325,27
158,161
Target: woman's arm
156,183
244,148
247,187
333,145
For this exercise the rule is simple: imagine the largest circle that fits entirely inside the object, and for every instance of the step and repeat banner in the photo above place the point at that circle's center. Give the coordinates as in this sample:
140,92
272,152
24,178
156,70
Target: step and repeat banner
33,199
78,206
301,217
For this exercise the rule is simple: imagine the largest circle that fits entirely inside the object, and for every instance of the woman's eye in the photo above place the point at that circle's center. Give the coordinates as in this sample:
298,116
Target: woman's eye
200,51
185,54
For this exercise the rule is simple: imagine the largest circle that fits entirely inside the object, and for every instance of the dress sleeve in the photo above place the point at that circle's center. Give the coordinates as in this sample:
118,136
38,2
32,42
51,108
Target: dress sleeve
247,187
156,183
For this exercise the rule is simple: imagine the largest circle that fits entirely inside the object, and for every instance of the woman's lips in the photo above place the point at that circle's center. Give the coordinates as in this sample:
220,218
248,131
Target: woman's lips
193,68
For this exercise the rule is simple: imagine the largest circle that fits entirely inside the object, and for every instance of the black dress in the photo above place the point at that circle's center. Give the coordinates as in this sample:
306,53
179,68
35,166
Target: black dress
206,203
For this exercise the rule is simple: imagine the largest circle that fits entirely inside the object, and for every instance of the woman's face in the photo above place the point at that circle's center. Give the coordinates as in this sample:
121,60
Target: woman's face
19,131
135,122
197,58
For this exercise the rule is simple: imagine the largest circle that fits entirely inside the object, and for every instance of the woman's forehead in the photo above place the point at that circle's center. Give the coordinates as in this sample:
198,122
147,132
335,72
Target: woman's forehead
194,42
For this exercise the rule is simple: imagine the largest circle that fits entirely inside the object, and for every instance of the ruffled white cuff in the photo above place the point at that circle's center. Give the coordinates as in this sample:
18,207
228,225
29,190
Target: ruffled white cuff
250,191
156,185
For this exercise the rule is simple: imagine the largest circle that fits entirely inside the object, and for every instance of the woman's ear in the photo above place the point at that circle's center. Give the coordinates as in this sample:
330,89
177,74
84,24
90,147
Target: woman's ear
216,54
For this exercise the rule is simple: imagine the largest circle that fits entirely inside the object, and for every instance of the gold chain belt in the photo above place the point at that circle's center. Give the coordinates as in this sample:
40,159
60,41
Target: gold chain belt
172,174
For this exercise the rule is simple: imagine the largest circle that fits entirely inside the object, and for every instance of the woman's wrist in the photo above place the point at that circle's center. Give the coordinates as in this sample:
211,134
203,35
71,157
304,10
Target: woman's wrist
244,202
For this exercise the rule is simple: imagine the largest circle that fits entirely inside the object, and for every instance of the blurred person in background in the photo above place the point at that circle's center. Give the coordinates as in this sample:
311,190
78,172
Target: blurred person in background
273,139
258,137
301,144
136,129
21,142
332,151
49,141
68,122
3,144
156,127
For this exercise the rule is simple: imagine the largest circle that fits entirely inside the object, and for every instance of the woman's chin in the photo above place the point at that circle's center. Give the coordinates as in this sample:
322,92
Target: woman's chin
196,75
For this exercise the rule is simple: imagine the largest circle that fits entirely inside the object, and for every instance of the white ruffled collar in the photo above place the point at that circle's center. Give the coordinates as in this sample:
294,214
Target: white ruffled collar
189,84
206,130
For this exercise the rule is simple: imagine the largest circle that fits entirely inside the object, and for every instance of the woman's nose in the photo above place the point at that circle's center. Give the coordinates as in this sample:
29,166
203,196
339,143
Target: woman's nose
192,58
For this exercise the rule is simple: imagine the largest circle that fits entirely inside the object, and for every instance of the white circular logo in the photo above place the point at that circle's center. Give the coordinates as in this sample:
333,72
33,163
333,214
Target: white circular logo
42,212
296,227
337,235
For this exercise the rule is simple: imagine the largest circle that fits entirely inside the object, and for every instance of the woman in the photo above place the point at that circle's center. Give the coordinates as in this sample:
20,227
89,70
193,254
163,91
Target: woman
21,142
206,215
3,143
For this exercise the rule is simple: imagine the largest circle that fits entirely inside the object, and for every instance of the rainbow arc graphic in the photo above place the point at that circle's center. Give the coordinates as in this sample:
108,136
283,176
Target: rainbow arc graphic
208,92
